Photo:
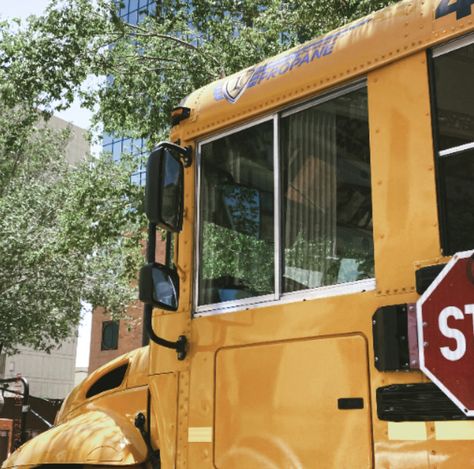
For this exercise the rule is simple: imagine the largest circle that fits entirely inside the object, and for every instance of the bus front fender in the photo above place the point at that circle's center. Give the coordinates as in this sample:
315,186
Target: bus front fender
94,437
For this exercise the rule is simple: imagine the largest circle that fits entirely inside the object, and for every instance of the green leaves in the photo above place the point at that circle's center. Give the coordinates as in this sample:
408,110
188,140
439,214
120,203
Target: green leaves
73,234
181,47
230,253
67,234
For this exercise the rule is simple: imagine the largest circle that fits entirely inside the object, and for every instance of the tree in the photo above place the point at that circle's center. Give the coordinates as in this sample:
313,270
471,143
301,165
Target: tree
63,226
182,46
62,233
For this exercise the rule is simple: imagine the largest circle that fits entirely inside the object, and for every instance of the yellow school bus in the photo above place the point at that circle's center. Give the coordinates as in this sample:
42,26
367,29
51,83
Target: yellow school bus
310,201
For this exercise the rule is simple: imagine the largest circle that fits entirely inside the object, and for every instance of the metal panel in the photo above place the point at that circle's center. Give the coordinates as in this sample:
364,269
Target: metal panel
164,409
403,182
349,288
296,387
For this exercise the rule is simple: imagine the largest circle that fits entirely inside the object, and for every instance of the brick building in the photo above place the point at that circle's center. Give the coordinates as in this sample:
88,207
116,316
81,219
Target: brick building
110,339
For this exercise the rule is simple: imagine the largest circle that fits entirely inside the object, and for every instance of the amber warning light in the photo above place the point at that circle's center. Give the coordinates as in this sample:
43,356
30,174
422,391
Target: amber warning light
179,114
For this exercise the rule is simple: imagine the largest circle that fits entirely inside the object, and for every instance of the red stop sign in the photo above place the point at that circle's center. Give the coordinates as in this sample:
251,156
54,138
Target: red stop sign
445,314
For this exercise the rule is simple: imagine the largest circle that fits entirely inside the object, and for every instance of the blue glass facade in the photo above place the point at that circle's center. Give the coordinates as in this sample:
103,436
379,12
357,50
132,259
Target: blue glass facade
134,146
131,11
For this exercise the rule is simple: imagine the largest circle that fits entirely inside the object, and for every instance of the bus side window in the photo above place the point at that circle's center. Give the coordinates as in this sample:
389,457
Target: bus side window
452,79
324,207
326,194
237,216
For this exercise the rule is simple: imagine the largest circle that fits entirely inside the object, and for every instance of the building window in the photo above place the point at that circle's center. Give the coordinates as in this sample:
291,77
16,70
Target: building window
110,335
453,69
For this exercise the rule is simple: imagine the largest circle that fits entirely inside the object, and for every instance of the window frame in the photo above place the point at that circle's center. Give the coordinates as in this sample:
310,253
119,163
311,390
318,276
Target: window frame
106,324
277,297
276,177
438,154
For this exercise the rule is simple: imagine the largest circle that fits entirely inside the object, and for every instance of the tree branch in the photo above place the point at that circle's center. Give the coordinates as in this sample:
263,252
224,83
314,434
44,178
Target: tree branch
150,57
144,33
11,175
10,287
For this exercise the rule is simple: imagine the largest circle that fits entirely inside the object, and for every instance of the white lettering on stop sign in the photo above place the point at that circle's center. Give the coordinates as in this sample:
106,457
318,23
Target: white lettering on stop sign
445,319
453,333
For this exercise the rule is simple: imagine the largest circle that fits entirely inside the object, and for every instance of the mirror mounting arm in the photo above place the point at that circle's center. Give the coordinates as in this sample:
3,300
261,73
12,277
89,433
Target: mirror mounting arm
151,246
185,153
187,157
181,345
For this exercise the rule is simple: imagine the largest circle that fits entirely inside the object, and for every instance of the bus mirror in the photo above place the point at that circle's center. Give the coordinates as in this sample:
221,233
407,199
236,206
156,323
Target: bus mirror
164,187
159,286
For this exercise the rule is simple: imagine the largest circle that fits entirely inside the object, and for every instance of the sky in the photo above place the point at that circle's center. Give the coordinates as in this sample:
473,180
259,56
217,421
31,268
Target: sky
77,116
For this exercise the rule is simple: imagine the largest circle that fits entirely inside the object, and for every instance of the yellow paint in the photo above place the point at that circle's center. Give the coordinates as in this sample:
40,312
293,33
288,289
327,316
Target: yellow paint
463,430
403,180
98,430
164,391
381,38
261,385
407,431
137,375
272,400
95,437
200,435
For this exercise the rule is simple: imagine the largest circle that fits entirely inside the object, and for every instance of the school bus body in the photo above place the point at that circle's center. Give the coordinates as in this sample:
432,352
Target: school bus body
261,384
95,429
265,382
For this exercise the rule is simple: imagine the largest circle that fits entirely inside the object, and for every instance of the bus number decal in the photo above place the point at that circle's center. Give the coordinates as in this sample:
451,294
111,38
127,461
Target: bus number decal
461,7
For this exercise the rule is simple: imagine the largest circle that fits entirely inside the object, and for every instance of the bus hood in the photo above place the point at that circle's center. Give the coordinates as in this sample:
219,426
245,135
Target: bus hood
94,437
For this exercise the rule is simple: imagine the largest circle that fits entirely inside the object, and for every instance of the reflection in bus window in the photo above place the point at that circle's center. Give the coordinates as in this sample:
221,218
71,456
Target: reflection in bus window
236,216
327,209
454,99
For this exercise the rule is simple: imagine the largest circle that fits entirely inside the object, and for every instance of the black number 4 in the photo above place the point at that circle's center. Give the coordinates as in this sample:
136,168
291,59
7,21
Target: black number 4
461,7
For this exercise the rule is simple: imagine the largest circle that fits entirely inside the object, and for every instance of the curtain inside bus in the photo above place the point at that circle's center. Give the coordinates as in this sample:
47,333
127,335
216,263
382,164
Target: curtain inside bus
326,193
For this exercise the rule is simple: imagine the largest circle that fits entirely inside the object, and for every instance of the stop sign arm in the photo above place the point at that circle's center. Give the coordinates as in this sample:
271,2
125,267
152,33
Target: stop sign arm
445,319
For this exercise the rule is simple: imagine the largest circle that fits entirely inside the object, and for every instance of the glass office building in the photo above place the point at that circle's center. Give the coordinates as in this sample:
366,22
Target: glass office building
131,11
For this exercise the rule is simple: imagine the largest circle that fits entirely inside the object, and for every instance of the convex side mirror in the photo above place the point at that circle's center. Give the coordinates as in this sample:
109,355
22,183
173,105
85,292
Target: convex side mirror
159,286
164,186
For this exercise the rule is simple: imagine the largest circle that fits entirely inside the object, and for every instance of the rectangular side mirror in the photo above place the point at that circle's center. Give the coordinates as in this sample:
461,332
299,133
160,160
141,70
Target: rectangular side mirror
159,286
164,187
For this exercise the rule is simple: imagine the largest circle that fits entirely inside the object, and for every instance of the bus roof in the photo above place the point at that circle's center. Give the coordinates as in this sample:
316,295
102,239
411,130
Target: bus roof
337,57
